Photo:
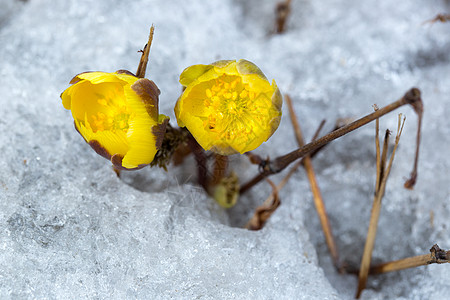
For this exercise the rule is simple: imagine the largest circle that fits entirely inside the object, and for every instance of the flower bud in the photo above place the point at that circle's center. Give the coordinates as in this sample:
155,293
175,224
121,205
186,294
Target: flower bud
117,115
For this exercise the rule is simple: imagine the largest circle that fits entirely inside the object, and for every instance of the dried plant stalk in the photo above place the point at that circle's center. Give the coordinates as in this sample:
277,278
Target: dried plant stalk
282,13
409,184
317,196
437,256
439,18
412,97
382,176
142,68
263,212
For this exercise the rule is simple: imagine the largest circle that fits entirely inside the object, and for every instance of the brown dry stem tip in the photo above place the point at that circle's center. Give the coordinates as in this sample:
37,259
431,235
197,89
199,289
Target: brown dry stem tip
145,53
282,13
439,18
255,158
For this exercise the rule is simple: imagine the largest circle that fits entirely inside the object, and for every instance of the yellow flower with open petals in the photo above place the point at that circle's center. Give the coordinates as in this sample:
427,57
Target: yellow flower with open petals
117,115
229,107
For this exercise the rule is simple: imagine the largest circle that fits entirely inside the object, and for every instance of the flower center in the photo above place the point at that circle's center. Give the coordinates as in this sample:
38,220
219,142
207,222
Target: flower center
229,102
112,115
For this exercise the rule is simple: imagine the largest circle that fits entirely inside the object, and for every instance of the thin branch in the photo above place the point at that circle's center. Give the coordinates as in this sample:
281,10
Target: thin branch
383,172
439,18
316,134
256,159
373,224
145,53
317,196
255,222
412,97
437,256
400,125
409,184
383,160
377,148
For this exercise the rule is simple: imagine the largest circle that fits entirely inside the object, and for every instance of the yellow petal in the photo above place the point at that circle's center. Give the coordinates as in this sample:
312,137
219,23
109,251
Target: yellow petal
142,143
192,73
115,116
99,77
230,108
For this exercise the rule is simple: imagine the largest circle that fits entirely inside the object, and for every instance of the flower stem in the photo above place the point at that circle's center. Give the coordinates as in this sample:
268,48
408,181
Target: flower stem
200,158
142,68
220,168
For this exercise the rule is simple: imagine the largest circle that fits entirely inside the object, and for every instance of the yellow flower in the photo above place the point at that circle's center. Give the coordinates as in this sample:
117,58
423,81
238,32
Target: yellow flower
117,115
229,107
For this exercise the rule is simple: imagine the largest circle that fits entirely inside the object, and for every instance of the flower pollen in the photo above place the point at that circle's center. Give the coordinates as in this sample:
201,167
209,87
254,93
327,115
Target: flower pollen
231,107
114,115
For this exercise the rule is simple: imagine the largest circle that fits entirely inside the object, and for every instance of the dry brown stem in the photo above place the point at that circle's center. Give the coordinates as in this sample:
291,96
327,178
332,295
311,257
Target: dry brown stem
418,108
282,12
412,97
317,196
436,256
263,212
382,176
142,68
439,18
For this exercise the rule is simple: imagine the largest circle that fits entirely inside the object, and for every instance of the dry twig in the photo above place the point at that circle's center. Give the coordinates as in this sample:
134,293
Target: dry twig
439,18
317,197
418,108
382,176
437,256
145,53
412,97
263,212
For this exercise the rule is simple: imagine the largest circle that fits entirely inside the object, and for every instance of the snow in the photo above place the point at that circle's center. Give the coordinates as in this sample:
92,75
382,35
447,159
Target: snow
71,229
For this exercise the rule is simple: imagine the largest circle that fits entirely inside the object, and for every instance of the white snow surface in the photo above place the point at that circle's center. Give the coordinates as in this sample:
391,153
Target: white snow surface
71,229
